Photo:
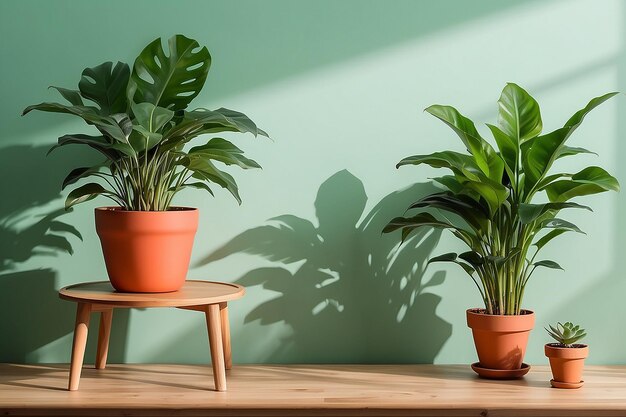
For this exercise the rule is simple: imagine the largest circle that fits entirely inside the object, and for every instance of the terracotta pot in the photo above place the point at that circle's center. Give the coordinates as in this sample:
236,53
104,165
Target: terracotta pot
147,251
567,364
500,340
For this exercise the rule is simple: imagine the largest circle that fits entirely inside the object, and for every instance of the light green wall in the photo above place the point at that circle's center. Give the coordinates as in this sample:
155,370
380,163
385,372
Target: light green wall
340,86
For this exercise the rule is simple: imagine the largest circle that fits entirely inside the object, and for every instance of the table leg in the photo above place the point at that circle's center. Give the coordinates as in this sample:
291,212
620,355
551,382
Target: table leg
214,326
104,334
226,335
78,347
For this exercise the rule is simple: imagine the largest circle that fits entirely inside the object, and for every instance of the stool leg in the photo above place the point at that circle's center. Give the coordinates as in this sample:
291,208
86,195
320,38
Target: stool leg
104,334
215,343
226,335
78,347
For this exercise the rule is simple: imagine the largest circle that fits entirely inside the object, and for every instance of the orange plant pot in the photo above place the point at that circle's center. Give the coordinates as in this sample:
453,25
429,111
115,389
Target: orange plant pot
500,340
567,364
147,251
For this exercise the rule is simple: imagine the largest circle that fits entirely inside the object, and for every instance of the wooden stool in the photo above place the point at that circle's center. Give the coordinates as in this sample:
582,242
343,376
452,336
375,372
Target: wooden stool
205,296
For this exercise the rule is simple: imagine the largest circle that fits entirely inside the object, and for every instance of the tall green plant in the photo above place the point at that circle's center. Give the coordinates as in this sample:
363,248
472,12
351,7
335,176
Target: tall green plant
488,199
144,126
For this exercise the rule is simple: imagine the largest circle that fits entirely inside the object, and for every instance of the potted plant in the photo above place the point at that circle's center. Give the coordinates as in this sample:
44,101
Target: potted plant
567,358
142,128
490,204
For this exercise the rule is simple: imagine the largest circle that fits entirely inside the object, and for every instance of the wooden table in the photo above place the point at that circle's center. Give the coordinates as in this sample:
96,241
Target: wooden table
141,390
205,296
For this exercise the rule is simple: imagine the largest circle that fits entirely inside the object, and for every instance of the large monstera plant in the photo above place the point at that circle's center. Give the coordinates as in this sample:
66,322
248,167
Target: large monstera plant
489,201
143,126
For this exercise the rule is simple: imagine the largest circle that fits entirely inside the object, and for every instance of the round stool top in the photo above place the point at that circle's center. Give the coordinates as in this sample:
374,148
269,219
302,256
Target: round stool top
191,294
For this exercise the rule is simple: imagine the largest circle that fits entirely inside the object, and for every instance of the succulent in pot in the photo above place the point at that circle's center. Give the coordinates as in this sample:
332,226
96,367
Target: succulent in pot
567,358
142,129
490,202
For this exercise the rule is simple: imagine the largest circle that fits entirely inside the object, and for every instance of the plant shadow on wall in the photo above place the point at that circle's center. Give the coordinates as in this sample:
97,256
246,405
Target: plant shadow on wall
31,234
353,295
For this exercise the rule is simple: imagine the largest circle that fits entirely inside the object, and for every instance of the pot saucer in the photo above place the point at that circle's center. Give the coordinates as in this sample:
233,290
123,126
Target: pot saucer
500,373
566,385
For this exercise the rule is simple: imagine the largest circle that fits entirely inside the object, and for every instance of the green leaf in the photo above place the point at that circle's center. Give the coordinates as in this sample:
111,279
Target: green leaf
105,124
566,334
99,143
199,186
88,113
483,153
464,206
117,127
73,96
96,142
203,169
569,151
467,173
509,150
142,139
420,219
106,85
519,116
450,182
530,212
151,117
539,153
494,194
473,258
446,257
579,116
202,121
84,193
240,121
219,149
170,80
548,264
124,123
408,224
541,185
591,180
80,173
560,224
548,237
460,164
452,257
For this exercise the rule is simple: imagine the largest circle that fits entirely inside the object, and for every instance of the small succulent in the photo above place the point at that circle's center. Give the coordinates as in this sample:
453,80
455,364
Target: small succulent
566,334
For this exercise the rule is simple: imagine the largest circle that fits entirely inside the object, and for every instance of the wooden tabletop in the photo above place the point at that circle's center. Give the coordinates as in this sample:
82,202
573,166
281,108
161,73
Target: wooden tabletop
305,390
193,293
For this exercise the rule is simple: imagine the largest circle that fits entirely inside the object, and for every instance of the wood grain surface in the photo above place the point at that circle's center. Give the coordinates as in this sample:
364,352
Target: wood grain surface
304,390
193,293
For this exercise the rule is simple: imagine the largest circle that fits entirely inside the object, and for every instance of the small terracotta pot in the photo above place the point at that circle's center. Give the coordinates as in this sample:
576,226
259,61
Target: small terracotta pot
147,251
500,340
567,364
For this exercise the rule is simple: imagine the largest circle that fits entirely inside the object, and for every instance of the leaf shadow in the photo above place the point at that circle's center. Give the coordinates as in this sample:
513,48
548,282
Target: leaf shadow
348,293
31,234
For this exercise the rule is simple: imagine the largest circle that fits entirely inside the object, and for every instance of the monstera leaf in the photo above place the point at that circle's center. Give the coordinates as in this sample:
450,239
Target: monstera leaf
170,80
105,85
